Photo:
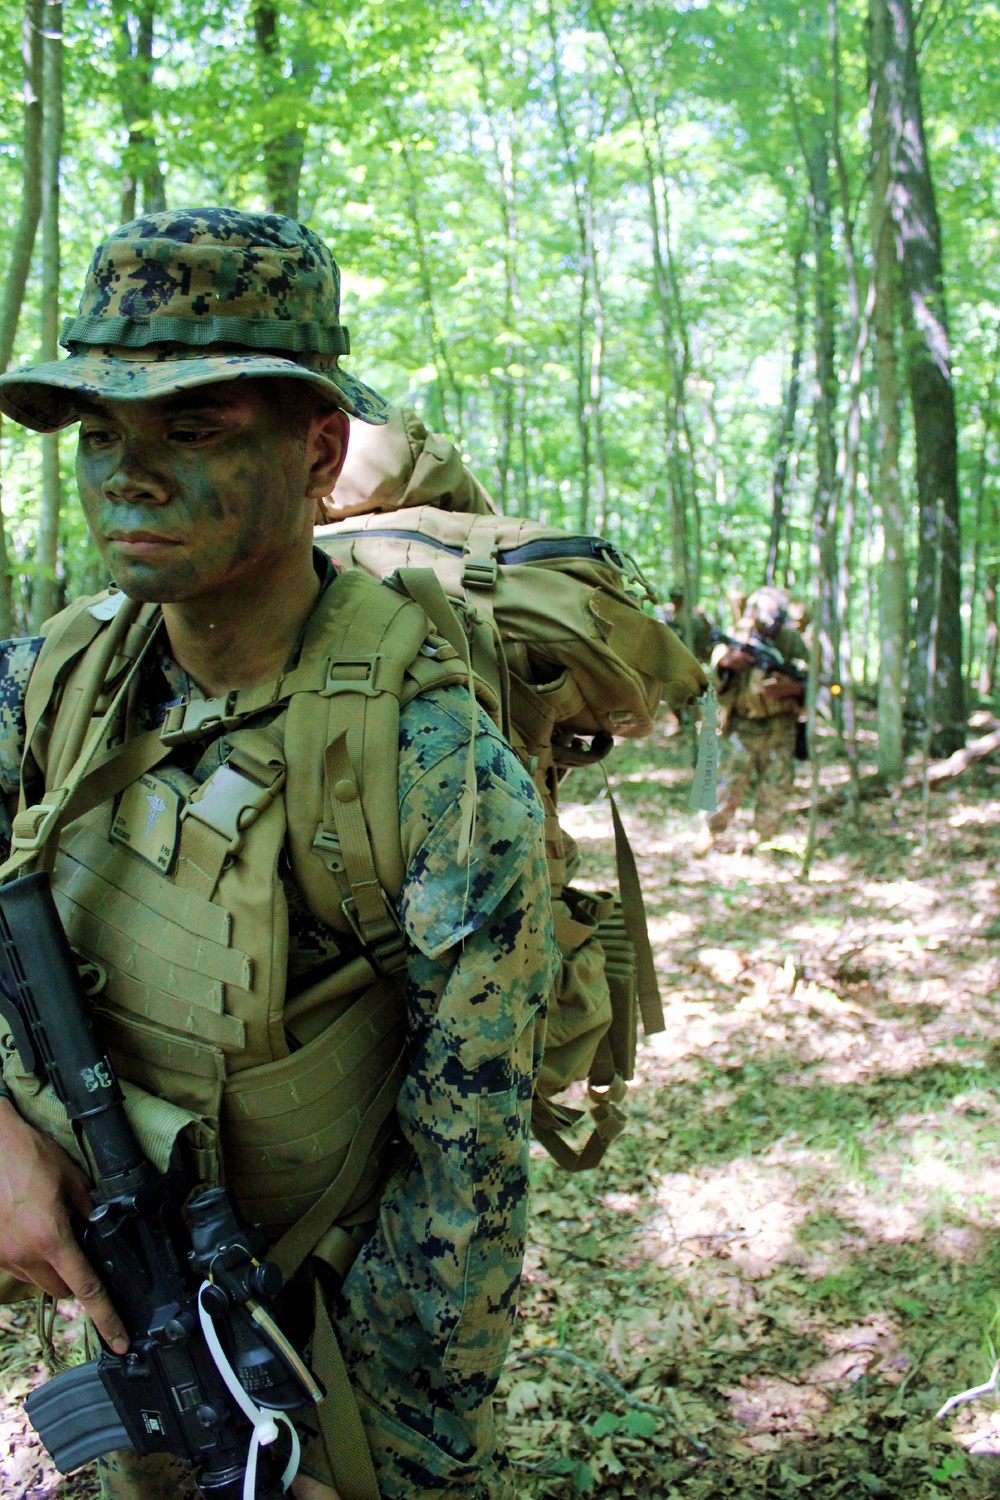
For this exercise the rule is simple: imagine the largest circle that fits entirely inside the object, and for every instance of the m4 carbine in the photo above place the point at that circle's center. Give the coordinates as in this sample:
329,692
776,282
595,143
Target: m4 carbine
207,1362
768,658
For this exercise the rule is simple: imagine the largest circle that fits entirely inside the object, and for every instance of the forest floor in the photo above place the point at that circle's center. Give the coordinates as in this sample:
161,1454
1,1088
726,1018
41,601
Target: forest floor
788,1262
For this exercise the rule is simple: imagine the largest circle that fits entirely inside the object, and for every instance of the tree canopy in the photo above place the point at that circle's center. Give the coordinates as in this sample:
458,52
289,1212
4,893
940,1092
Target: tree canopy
622,252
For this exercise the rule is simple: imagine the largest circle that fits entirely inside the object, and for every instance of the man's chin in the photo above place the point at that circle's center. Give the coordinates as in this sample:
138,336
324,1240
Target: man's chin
153,585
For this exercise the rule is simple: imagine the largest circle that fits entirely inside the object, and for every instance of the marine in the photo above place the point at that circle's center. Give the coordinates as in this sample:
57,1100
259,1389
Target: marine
244,698
762,695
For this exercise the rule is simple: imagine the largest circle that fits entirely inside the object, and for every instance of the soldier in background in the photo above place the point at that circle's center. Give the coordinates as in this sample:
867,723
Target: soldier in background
762,694
701,626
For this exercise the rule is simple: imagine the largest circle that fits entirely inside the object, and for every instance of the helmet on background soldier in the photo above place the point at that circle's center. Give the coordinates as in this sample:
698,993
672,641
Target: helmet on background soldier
767,610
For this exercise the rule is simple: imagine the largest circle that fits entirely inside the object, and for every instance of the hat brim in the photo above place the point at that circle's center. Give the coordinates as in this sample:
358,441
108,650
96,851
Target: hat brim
43,397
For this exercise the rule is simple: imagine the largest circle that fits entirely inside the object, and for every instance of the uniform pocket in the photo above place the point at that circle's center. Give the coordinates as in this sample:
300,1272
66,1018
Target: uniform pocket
495,1252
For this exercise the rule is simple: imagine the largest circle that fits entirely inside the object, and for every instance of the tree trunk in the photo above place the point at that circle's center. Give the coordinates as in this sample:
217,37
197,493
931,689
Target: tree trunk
504,160
141,164
817,163
893,596
446,377
284,148
43,594
19,258
932,395
979,496
991,585
23,244
786,432
664,296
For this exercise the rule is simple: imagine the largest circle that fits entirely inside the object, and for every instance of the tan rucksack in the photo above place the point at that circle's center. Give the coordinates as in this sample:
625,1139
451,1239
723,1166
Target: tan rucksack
554,625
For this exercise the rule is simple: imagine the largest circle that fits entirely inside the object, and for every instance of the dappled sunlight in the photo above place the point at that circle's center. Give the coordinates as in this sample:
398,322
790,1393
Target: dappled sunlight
791,1252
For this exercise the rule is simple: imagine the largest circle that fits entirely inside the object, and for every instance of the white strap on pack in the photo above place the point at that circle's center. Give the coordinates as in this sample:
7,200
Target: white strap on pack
265,1423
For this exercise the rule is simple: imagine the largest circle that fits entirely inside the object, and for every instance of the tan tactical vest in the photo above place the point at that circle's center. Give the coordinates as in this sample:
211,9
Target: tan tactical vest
170,892
745,698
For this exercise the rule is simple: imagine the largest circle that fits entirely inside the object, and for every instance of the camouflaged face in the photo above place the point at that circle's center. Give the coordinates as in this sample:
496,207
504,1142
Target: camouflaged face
181,299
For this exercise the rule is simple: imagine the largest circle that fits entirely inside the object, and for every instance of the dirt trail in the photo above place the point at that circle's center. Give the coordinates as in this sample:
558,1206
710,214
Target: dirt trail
789,1261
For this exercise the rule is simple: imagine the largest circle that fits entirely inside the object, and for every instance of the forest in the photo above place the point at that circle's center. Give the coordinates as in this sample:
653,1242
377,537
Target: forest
715,279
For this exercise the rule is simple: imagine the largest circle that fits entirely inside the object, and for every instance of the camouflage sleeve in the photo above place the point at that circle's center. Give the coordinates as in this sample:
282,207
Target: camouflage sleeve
17,658
426,1313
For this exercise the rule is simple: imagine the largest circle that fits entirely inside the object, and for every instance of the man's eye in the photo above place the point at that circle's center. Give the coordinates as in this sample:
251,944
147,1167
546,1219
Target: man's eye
97,437
190,434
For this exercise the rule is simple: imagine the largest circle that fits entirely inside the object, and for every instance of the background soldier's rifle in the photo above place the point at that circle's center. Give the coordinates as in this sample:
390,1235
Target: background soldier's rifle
771,662
768,658
189,1279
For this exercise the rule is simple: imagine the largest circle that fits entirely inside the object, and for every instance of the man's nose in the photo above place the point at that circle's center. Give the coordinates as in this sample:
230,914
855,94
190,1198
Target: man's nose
136,478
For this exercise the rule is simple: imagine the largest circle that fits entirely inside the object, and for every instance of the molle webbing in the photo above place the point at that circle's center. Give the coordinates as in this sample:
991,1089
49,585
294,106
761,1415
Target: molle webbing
193,962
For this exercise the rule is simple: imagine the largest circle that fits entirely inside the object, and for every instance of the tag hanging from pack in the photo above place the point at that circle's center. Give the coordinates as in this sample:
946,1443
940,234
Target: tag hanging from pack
706,773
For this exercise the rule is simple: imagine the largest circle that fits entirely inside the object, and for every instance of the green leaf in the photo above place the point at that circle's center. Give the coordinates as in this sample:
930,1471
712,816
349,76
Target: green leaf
640,1424
583,1478
606,1422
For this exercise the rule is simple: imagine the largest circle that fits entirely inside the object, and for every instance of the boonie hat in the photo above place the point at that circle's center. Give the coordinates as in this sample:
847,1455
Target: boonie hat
181,299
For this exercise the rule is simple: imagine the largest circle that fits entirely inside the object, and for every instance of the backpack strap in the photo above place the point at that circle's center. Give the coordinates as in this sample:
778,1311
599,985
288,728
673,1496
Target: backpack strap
634,914
548,1120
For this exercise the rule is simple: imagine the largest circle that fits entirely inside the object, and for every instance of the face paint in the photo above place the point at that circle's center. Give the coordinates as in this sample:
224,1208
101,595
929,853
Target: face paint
192,494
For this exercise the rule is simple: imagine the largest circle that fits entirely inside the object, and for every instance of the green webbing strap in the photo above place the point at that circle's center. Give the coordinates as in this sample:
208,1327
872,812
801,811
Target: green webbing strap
634,914
340,1425
547,1119
36,830
377,924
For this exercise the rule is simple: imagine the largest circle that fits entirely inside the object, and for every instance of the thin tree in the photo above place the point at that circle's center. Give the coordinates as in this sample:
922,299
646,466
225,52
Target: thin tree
44,593
892,594
141,166
19,257
285,132
789,412
932,394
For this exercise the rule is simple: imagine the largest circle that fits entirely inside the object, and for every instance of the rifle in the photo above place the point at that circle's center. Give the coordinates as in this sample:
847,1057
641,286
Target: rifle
768,658
207,1362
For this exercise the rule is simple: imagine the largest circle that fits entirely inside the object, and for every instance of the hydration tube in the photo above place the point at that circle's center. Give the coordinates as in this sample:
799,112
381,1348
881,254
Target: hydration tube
265,1427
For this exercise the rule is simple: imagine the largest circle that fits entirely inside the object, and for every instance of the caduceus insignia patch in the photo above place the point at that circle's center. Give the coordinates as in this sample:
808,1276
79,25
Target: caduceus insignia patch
147,821
156,806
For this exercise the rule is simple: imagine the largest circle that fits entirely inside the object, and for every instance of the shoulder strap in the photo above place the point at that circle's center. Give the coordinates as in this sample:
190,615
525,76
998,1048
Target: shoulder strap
343,808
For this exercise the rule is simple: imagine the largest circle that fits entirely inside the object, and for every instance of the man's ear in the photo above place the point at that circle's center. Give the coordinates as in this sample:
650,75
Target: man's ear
329,433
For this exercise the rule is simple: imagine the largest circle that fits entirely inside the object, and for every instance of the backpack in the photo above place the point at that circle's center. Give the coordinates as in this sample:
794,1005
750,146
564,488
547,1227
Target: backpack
553,625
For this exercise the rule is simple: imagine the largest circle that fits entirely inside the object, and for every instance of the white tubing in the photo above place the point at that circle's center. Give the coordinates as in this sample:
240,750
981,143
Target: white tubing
265,1423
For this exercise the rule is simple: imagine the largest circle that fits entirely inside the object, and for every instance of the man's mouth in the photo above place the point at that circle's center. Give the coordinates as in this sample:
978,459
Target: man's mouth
141,541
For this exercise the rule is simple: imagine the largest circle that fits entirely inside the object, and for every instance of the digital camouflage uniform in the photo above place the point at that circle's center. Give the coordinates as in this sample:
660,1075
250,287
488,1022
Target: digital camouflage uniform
424,1316
757,757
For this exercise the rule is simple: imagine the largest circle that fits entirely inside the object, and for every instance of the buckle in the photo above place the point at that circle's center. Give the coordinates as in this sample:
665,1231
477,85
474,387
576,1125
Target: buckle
327,845
359,674
481,574
384,942
32,828
230,802
200,716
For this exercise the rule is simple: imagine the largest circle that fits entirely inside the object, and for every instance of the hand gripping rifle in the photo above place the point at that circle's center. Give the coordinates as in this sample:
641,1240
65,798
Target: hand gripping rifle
207,1363
768,658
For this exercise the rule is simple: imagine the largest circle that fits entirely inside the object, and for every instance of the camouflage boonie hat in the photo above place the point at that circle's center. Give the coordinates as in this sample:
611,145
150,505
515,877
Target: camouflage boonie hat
180,299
